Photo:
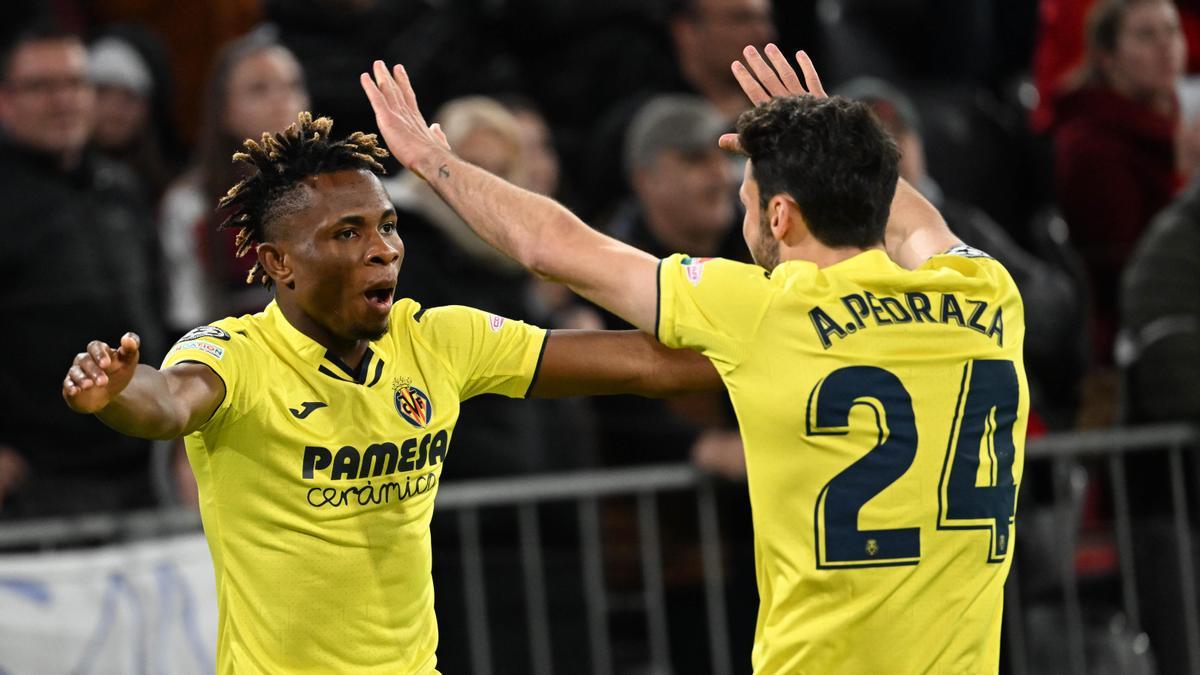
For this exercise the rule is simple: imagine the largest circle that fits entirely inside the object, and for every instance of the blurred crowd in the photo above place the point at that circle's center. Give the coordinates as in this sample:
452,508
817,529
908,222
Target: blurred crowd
1061,136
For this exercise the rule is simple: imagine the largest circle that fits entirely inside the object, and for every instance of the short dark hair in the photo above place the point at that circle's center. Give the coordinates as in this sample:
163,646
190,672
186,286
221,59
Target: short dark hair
38,32
278,162
832,156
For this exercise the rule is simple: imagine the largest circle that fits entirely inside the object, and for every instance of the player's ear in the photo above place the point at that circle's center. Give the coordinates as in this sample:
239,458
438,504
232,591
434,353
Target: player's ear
784,215
275,262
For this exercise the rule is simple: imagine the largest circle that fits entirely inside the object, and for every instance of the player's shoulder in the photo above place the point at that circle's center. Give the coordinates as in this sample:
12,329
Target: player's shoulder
712,271
411,315
433,326
968,269
967,261
231,335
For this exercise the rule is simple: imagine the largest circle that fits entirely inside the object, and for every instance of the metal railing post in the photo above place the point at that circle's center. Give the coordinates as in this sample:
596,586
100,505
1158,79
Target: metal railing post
1065,515
1116,473
474,590
535,589
1187,563
593,584
653,594
714,579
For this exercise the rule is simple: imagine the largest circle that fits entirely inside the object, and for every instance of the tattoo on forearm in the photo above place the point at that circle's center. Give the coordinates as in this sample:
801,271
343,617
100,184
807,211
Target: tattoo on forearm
443,172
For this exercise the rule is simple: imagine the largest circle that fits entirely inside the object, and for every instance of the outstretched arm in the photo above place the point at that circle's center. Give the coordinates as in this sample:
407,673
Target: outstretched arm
139,400
593,362
535,231
915,229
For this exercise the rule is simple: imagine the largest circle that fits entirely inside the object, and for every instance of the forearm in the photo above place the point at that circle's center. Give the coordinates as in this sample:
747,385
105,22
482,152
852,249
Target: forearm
915,229
529,228
146,408
547,239
591,363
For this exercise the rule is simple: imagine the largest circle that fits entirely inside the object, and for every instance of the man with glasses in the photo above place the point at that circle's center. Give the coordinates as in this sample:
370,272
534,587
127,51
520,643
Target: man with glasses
76,253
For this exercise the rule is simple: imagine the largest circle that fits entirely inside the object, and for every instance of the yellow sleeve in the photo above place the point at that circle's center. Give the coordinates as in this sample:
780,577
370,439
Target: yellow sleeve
228,354
487,354
711,305
977,266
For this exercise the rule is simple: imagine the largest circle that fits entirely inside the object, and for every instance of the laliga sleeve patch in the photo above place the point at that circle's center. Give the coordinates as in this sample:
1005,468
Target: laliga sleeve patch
215,351
495,322
694,269
205,332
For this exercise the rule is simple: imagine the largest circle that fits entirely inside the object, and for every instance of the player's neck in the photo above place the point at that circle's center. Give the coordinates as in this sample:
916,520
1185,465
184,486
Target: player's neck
349,351
823,256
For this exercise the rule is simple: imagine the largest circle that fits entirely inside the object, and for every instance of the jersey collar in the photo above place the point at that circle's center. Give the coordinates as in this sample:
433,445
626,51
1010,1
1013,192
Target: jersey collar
872,259
326,363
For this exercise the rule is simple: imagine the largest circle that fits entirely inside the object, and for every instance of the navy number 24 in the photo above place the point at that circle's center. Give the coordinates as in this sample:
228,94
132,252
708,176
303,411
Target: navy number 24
983,422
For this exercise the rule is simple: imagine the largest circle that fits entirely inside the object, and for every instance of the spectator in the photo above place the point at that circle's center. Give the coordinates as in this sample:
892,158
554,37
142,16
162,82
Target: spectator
555,303
124,131
256,86
1060,48
683,199
78,251
1159,348
1114,140
1160,317
540,157
708,35
1054,348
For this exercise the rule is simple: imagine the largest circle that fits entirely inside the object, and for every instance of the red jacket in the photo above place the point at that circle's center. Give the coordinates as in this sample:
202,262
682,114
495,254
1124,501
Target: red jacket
1114,170
1061,44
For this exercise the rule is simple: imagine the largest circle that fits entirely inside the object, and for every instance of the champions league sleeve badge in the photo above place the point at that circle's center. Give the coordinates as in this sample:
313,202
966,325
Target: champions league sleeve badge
205,332
412,403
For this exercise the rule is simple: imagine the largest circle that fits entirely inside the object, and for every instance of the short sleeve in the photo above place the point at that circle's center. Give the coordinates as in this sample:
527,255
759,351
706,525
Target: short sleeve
488,354
711,305
227,354
974,264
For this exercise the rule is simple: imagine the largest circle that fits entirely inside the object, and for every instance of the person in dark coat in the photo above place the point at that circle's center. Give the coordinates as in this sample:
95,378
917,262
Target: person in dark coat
78,255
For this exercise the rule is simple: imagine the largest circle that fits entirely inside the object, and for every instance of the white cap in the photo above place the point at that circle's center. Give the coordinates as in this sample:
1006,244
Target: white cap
113,62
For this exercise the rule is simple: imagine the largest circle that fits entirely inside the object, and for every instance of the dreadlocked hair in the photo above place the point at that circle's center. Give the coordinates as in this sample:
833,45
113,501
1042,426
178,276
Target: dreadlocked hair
279,162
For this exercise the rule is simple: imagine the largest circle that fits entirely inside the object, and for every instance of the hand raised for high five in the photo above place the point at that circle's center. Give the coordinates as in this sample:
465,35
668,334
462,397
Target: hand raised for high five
399,119
100,373
763,81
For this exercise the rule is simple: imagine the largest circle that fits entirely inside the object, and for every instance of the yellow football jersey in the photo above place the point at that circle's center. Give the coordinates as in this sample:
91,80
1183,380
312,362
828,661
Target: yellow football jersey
883,413
317,482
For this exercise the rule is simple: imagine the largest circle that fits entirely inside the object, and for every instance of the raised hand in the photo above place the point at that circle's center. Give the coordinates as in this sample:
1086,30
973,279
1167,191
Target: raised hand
763,81
100,373
399,119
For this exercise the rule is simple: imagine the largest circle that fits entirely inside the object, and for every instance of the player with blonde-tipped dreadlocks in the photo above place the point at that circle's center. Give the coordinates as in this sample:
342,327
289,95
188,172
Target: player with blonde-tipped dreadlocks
262,196
317,428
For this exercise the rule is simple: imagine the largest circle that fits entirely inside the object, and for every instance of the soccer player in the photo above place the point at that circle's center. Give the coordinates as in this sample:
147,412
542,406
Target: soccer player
317,429
882,409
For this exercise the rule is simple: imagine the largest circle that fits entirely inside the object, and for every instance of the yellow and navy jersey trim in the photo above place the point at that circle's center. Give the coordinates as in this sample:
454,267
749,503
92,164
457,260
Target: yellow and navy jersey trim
537,367
371,366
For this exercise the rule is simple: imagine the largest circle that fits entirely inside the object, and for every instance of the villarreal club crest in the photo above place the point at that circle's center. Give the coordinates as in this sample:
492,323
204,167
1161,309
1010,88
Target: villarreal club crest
412,403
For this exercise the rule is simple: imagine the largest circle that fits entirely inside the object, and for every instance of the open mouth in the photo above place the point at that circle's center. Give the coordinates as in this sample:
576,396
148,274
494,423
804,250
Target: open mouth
380,298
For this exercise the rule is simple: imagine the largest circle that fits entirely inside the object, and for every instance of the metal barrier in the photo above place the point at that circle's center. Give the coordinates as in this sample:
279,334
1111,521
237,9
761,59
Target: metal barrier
1110,449
645,484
